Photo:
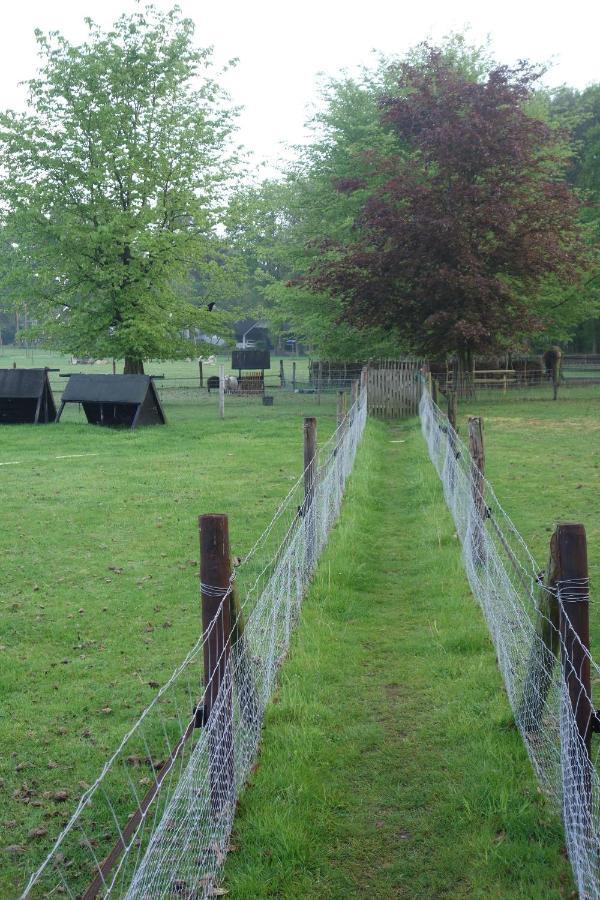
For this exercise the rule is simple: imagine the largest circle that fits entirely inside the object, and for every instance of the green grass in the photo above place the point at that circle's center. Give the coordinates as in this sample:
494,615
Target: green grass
390,766
99,587
543,460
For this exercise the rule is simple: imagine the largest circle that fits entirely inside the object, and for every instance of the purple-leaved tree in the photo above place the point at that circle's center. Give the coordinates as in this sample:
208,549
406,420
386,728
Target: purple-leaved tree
468,221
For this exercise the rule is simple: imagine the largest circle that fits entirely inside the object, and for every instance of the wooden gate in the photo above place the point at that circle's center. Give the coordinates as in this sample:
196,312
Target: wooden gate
394,388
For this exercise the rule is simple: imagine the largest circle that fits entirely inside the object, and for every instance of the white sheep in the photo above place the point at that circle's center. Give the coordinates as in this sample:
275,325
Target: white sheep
231,384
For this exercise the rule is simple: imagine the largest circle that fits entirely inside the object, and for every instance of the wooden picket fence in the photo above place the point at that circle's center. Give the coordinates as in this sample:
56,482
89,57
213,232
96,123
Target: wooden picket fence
394,388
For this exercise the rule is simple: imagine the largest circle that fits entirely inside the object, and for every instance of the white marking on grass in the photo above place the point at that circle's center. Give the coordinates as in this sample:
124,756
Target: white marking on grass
397,442
75,455
16,463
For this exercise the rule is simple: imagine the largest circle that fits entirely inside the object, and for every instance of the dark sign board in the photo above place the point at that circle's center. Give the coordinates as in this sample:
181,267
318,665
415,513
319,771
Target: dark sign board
251,359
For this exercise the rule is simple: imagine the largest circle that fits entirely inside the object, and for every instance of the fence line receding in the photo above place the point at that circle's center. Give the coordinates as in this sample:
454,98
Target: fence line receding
539,625
157,821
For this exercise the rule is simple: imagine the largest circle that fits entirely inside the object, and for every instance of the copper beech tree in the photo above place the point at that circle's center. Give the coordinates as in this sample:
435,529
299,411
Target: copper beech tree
470,216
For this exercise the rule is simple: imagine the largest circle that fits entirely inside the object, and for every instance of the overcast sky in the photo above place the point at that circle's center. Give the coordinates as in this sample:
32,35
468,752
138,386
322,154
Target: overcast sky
282,45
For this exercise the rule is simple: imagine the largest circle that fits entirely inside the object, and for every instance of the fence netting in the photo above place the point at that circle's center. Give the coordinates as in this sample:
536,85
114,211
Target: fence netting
157,821
522,608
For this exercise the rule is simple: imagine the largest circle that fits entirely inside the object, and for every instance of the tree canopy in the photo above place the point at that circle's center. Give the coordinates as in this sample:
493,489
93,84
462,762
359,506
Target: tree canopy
434,210
113,188
470,220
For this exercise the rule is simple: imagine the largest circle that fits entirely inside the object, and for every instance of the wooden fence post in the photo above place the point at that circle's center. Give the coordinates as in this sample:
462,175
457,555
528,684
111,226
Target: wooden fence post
222,391
294,375
353,392
281,374
574,605
310,483
452,409
573,602
201,374
435,391
215,574
340,408
477,453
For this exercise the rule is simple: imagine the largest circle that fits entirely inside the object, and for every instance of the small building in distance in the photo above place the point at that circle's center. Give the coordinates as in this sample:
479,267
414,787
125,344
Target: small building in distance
115,400
26,397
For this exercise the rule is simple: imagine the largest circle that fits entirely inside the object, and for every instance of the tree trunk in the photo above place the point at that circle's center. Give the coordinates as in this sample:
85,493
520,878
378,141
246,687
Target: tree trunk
133,366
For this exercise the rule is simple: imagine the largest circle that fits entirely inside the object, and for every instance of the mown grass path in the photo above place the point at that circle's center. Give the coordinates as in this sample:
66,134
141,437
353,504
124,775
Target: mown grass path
390,765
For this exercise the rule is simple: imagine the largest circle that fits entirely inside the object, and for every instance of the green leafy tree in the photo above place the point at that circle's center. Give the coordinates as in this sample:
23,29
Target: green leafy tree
579,111
288,226
472,219
277,225
113,189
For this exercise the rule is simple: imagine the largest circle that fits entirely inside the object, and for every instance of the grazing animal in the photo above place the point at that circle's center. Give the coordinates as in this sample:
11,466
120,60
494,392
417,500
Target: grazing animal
231,384
208,360
211,306
552,360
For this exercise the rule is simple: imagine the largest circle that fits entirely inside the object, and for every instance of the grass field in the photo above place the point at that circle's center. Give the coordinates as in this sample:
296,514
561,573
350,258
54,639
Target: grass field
99,588
183,373
390,766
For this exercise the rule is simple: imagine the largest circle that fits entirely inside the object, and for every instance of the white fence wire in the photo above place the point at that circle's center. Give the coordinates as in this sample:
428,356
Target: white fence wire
523,617
157,821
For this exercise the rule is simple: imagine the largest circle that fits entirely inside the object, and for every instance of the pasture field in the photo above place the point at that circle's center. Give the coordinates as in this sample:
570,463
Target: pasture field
99,582
543,460
390,764
182,373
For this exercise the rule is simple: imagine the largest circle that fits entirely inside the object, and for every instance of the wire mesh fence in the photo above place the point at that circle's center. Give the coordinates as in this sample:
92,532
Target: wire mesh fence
524,378
546,665
156,822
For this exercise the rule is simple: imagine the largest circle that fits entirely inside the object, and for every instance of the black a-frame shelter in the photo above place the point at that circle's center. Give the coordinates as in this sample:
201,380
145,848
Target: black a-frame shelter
117,400
26,397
